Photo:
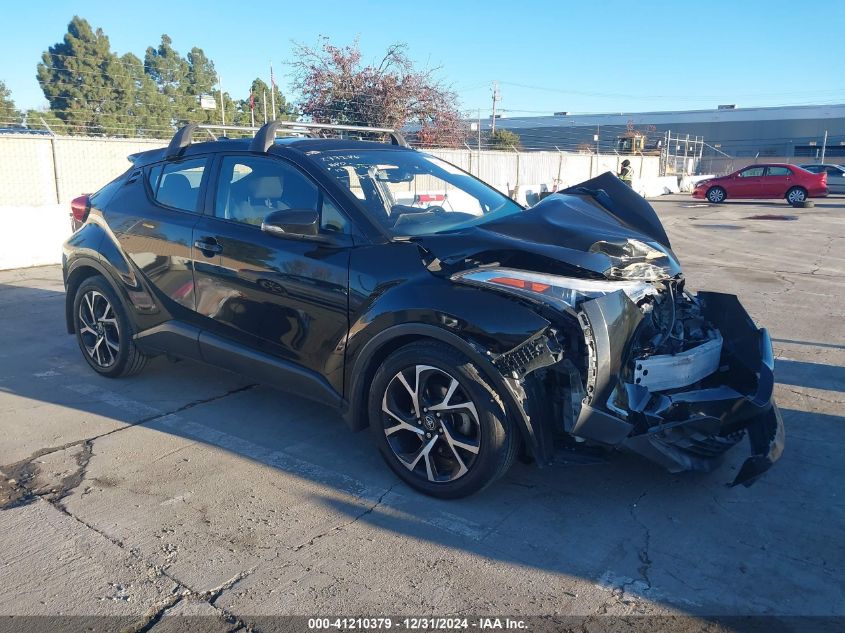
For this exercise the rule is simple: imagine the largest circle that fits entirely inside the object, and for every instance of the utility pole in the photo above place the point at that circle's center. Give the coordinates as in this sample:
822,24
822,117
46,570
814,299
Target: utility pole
222,107
479,132
496,97
824,145
272,92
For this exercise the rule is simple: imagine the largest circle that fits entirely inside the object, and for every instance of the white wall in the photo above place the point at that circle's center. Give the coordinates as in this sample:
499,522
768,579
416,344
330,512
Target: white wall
33,235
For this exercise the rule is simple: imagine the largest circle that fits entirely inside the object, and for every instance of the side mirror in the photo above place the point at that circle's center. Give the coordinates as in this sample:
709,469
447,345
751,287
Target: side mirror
292,222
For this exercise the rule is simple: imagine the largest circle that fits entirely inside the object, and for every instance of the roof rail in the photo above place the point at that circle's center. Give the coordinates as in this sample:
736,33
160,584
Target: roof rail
265,136
185,134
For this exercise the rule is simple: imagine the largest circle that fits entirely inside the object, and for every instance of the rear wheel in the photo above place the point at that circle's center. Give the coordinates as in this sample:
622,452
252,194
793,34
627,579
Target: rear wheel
438,423
103,330
796,195
716,195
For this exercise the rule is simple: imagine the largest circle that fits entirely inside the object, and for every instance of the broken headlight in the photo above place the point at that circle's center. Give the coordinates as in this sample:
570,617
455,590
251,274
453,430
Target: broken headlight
633,259
554,289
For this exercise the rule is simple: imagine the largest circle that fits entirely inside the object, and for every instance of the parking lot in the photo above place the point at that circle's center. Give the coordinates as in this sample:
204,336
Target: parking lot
188,490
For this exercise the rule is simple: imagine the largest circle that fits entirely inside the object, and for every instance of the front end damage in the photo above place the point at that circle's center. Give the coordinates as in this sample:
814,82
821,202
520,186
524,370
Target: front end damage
676,378
630,360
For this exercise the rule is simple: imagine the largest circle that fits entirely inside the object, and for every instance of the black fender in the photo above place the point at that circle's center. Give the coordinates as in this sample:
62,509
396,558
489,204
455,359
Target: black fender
479,323
94,247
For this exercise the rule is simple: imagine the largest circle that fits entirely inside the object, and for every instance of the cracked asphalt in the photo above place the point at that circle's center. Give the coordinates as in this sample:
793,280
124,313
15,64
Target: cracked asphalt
188,490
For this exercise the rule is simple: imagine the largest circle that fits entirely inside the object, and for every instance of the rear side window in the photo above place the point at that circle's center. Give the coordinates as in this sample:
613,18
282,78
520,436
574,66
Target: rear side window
177,185
779,171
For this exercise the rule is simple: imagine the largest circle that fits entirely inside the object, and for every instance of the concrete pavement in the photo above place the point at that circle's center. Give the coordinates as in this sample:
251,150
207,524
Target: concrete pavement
188,490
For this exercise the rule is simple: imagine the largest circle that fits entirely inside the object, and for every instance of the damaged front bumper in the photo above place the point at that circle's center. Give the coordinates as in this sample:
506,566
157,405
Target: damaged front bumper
682,411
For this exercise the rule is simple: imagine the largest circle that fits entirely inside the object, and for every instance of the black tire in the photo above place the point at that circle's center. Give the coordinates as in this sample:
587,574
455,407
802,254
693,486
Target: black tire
796,195
496,439
716,195
116,355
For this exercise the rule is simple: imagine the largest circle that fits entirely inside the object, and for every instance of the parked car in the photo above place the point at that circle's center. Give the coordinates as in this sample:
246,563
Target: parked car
775,180
835,176
461,328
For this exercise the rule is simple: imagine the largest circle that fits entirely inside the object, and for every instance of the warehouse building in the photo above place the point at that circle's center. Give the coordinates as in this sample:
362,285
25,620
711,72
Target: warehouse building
785,131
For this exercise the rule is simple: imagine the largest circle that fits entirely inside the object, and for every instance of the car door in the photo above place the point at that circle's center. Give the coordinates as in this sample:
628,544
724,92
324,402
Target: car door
835,179
153,216
776,181
747,183
283,295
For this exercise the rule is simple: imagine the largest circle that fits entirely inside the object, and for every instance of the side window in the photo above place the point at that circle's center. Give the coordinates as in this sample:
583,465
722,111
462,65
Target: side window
751,172
177,185
779,171
333,220
832,171
251,187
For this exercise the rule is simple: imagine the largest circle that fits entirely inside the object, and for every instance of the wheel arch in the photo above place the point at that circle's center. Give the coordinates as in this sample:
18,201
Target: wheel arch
377,349
712,187
801,187
78,272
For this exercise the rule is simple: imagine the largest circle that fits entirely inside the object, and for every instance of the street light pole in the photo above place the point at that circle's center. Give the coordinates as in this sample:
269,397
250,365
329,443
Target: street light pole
824,145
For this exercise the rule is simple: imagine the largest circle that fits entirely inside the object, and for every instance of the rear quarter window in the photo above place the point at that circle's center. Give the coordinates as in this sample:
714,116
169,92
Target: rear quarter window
177,185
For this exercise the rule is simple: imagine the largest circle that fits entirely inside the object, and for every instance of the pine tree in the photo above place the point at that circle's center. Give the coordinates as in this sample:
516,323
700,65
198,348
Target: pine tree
36,119
149,109
86,85
169,70
8,111
259,88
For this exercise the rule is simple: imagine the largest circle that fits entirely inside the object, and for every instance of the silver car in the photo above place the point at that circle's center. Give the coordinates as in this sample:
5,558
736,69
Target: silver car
835,176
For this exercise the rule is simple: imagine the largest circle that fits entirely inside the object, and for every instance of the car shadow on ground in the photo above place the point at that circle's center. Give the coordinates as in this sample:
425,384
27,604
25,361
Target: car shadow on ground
626,525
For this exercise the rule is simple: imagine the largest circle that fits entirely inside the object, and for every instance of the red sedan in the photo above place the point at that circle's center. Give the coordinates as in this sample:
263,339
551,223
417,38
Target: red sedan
776,180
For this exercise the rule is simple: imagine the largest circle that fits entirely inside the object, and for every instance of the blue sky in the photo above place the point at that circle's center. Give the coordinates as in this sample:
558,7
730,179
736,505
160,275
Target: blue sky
548,55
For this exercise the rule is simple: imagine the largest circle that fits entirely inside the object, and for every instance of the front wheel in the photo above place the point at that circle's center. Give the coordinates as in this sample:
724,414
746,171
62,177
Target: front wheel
716,195
796,195
437,422
103,330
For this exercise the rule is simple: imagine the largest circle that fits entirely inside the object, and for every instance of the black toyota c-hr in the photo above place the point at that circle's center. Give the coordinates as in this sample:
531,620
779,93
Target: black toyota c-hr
461,328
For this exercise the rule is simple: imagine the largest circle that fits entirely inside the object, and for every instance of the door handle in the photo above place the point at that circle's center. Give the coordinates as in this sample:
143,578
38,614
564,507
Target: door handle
209,246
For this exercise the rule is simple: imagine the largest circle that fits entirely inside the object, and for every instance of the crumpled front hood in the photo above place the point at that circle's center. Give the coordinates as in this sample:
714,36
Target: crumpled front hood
561,228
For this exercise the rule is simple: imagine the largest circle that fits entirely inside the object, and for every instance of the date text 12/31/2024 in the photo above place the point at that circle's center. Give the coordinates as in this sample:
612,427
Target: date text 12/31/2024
415,624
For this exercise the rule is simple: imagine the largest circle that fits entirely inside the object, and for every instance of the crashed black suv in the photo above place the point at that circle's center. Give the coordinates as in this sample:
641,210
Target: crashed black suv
463,329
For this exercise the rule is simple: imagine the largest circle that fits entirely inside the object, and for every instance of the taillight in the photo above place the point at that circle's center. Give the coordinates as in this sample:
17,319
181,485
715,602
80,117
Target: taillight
79,208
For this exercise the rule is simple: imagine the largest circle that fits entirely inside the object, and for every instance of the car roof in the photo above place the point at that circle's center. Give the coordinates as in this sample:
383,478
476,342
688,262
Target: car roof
306,145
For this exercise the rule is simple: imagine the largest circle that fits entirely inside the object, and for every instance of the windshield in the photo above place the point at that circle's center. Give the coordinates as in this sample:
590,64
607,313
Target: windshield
411,193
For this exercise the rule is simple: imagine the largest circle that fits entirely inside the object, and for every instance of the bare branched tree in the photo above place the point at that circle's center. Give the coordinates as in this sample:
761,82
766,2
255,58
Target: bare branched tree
335,86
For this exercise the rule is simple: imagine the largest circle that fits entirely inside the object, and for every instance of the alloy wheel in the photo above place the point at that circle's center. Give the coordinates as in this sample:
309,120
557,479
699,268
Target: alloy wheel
796,195
98,329
431,424
716,195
